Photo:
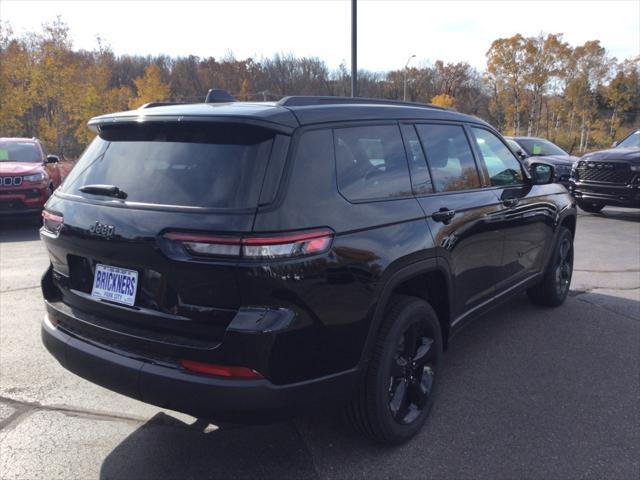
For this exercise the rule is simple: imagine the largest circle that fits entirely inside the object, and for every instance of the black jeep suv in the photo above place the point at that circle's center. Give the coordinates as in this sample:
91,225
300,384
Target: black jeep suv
240,261
608,177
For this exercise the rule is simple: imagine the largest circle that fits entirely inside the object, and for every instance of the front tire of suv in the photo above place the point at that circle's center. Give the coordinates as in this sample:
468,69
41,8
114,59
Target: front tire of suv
591,207
554,287
397,394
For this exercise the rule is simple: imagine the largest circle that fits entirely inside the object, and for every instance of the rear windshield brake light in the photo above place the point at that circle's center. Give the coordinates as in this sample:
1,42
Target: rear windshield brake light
271,246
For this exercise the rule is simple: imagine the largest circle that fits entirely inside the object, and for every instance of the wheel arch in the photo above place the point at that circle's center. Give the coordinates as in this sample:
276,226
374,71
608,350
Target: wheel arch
569,221
429,280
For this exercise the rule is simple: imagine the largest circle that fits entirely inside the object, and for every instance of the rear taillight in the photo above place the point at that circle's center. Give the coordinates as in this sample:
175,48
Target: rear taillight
255,247
220,370
201,244
52,223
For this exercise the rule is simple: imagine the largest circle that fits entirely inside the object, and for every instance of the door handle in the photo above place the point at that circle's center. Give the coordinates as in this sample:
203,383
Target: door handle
443,215
510,202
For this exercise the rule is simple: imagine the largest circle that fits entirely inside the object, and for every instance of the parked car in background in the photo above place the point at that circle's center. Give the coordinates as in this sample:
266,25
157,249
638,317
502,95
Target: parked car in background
540,150
28,176
609,177
283,254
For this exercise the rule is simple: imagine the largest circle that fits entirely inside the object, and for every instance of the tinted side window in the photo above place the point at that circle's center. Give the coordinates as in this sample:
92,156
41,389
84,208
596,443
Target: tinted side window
501,164
371,163
449,156
420,177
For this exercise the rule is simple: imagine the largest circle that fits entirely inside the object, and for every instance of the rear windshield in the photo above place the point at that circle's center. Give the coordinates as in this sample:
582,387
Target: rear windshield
19,152
538,147
192,165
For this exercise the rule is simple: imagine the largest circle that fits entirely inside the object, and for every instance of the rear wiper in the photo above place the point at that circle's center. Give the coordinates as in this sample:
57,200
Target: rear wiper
109,190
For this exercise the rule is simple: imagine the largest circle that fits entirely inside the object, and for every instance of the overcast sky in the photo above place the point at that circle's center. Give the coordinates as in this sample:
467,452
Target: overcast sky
388,31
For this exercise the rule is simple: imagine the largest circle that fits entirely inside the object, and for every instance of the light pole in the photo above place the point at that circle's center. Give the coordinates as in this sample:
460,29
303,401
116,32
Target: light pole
354,48
404,90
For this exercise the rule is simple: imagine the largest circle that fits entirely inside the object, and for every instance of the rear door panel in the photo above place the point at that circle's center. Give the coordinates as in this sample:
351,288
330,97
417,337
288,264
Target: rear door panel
471,244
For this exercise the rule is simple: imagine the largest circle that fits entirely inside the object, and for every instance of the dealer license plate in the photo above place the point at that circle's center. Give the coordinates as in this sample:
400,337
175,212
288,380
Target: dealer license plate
115,284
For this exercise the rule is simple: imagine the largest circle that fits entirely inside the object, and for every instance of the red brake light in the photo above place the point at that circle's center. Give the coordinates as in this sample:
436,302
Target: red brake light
317,244
197,237
220,370
52,222
269,246
280,239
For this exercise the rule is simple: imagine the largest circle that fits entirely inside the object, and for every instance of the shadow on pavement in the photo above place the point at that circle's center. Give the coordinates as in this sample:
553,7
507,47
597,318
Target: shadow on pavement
20,229
629,307
167,448
625,215
526,392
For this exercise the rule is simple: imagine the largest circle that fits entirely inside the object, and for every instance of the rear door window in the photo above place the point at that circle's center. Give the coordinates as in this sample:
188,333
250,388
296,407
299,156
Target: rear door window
218,166
449,156
420,177
371,163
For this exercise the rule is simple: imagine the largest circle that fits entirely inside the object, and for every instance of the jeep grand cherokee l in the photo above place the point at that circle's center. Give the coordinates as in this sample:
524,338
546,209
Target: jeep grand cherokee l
240,261
608,177
28,177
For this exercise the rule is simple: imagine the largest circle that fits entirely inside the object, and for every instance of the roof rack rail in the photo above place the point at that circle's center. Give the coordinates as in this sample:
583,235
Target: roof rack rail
305,101
159,104
215,95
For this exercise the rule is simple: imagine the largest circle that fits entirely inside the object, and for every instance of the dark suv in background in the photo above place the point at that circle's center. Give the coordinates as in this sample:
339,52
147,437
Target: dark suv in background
241,261
539,150
609,177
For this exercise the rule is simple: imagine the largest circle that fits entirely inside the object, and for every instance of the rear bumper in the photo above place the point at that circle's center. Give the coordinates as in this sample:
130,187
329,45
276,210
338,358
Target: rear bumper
202,396
615,195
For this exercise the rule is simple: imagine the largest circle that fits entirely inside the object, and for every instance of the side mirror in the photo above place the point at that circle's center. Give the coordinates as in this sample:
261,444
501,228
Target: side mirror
541,173
614,144
52,159
521,154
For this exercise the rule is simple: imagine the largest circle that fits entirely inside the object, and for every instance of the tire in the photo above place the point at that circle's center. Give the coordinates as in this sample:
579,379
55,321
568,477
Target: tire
398,392
554,287
591,207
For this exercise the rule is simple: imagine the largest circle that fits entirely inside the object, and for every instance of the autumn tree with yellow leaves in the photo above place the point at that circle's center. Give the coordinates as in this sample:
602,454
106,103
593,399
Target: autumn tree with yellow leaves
443,100
577,96
149,88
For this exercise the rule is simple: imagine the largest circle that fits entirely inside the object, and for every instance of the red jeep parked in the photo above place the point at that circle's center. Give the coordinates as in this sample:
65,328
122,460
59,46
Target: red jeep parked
27,175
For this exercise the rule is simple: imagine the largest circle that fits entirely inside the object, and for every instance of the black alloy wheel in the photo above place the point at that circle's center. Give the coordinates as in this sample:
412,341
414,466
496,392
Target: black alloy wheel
412,374
394,401
591,207
564,268
553,289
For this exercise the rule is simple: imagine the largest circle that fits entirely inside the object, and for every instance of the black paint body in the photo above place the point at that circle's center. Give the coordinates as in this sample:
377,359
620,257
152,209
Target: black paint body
322,311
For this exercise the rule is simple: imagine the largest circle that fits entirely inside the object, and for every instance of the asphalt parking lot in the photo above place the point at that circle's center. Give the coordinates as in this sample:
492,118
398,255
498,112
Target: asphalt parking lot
526,392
